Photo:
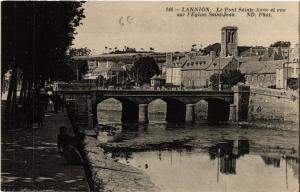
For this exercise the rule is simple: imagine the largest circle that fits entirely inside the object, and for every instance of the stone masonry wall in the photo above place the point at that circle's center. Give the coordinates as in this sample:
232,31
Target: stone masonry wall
271,104
109,175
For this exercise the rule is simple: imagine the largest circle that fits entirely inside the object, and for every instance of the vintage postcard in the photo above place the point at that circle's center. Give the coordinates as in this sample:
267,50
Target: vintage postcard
166,96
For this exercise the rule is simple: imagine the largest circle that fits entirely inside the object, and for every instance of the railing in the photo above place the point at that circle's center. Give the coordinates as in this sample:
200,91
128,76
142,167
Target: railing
93,87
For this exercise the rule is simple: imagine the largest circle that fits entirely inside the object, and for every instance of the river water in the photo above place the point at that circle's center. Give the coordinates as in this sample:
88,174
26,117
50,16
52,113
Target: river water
219,157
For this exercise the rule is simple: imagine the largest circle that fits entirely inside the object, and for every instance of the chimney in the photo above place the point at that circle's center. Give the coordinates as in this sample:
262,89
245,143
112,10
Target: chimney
297,47
212,55
169,59
187,56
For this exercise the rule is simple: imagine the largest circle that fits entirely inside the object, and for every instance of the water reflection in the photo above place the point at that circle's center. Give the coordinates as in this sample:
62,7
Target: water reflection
224,157
226,166
227,154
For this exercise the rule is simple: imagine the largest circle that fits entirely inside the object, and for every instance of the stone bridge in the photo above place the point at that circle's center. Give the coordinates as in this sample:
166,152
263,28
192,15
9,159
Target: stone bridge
223,106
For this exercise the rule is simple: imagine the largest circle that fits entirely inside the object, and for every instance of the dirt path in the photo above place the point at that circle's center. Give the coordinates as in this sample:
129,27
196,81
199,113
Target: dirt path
30,160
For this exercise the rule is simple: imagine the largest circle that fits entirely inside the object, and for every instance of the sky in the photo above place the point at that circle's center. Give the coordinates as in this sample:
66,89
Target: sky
148,24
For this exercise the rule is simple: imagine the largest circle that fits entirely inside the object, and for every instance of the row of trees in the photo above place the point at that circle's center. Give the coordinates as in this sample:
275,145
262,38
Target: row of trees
229,78
35,40
126,49
79,67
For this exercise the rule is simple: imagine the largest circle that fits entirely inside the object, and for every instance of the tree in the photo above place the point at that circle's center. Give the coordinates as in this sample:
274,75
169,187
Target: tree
35,39
281,44
193,47
214,79
79,67
216,47
229,78
79,51
143,69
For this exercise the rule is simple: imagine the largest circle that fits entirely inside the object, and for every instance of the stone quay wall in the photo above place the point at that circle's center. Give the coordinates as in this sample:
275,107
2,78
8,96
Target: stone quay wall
272,104
103,172
109,175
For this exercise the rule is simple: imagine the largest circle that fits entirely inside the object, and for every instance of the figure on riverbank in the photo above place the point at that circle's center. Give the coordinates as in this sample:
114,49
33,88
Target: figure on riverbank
57,102
67,145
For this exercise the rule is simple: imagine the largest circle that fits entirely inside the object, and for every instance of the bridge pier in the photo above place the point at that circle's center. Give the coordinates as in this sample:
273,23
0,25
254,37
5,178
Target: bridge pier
90,114
190,113
143,113
241,101
94,111
232,112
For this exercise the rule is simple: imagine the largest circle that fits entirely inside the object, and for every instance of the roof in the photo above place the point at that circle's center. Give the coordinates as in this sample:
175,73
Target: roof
254,51
266,53
127,67
261,67
214,65
156,77
229,27
180,62
249,59
92,77
197,62
217,63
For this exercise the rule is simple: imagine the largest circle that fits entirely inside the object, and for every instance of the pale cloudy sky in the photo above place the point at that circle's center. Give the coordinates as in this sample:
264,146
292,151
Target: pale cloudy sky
151,26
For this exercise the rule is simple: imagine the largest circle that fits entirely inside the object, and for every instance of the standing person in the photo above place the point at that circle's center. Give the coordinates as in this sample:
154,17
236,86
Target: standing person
51,105
63,100
62,138
58,101
40,115
55,102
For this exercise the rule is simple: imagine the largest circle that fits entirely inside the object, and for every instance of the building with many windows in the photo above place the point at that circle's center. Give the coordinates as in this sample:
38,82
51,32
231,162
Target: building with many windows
288,73
109,70
174,63
261,73
197,71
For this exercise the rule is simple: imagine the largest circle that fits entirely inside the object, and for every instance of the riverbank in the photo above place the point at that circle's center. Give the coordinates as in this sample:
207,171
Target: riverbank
110,175
30,160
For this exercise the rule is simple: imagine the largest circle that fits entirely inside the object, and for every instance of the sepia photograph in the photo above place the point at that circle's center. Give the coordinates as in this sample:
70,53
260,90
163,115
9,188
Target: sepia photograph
150,96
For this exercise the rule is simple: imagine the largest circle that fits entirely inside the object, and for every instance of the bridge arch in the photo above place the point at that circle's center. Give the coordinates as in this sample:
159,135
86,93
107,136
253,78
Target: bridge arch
157,110
109,110
176,110
129,109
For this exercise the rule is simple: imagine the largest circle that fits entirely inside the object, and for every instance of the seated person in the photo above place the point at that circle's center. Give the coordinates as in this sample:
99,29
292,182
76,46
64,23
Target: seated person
67,145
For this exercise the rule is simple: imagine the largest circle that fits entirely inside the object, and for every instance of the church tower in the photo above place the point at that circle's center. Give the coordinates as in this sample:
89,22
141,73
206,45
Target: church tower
229,41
